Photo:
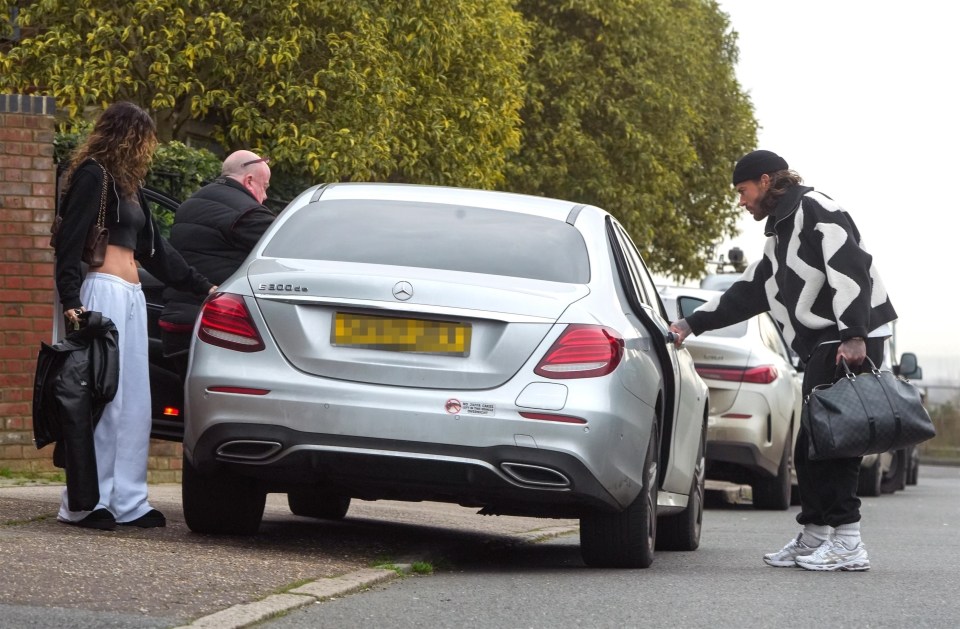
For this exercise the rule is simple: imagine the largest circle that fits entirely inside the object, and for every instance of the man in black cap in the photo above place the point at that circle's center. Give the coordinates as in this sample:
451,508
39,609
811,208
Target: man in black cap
819,283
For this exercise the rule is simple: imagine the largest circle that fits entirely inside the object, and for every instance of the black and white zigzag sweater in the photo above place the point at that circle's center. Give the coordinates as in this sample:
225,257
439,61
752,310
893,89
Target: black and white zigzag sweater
815,278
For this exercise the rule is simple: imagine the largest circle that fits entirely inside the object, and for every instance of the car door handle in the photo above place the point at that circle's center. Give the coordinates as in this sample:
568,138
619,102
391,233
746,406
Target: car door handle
671,338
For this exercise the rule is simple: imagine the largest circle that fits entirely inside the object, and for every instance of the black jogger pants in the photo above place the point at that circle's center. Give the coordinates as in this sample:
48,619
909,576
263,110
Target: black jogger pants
828,488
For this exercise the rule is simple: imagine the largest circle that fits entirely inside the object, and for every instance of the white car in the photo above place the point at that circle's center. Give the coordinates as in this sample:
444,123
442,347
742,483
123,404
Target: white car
755,400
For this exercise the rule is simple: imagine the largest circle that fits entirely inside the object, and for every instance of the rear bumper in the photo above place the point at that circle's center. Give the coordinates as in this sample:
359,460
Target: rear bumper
741,447
507,480
722,455
375,441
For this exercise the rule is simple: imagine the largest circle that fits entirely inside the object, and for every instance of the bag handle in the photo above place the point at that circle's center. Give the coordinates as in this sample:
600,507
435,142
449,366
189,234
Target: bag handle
102,216
891,402
849,372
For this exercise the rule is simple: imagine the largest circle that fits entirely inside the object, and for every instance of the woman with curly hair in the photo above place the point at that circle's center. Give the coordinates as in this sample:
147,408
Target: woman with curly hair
113,162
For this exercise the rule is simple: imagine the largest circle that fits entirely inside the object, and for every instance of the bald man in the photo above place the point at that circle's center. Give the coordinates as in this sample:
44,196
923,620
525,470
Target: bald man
214,230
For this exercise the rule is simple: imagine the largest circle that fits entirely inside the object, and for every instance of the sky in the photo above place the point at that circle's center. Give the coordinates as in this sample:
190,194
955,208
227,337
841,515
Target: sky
861,99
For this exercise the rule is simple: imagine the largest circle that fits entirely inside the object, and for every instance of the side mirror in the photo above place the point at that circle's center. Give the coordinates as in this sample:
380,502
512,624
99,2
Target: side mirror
908,367
686,305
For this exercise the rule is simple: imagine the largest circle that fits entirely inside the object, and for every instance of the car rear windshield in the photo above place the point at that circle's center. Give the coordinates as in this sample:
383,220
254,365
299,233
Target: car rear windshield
435,236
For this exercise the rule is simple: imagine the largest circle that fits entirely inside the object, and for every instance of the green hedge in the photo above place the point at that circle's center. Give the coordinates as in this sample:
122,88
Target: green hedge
179,170
945,447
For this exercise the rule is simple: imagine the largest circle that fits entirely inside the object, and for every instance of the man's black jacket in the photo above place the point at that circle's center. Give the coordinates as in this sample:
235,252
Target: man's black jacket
214,231
74,381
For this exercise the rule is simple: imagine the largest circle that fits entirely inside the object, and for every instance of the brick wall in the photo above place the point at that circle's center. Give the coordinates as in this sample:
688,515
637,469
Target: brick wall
27,193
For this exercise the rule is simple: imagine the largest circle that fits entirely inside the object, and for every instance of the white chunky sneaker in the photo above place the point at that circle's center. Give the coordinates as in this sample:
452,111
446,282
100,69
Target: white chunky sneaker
833,555
786,556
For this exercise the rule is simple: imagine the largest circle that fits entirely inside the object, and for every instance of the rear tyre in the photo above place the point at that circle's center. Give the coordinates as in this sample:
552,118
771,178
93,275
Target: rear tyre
913,465
221,503
682,531
896,476
312,503
774,493
870,479
625,539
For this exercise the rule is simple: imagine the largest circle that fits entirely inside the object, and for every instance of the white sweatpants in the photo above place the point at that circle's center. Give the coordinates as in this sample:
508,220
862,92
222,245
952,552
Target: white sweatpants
122,437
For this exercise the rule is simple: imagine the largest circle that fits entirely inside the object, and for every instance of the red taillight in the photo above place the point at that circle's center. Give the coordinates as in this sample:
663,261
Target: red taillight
171,411
225,322
582,351
549,417
238,390
764,374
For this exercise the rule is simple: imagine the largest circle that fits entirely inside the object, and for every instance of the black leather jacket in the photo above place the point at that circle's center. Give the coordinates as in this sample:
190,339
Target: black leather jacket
75,379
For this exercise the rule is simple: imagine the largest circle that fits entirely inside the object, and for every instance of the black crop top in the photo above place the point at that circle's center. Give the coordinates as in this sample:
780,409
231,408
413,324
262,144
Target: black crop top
126,223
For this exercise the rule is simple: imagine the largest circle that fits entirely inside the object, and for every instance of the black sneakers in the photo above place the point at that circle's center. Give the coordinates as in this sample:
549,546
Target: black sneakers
104,520
149,520
97,519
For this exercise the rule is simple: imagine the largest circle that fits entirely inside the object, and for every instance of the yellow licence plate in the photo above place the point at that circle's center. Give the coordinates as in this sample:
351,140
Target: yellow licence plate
401,335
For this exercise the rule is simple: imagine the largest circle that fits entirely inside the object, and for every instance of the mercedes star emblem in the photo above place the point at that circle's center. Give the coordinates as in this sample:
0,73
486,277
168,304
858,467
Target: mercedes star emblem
403,291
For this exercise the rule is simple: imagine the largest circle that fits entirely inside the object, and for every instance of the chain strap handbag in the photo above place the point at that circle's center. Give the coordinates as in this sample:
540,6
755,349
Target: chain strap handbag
95,245
867,413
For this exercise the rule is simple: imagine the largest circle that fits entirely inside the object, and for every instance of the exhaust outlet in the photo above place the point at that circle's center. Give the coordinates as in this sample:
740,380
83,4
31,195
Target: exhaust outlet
248,450
535,475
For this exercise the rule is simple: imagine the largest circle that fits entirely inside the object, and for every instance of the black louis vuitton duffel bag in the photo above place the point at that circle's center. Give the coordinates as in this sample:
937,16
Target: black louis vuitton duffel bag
867,413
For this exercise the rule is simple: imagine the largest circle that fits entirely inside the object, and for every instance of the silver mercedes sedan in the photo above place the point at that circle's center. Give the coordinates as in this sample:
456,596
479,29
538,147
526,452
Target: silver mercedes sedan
503,352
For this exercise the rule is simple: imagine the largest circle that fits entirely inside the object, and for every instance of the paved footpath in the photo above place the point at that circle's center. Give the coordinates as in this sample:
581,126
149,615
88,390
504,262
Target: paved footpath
172,577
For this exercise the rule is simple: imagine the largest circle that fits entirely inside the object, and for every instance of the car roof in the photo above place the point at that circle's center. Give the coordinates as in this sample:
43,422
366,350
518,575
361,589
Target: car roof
467,197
